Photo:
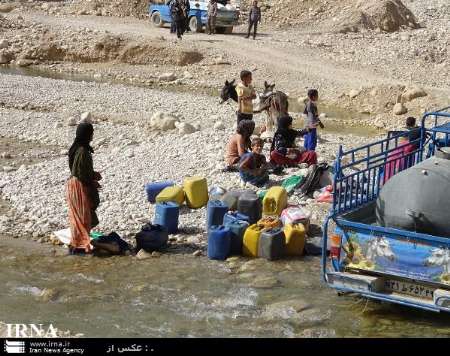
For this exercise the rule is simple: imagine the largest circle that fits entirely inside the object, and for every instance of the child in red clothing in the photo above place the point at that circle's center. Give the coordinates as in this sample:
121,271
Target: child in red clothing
283,151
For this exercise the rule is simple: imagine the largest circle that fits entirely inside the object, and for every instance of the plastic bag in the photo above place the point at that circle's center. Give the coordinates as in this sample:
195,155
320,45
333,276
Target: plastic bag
292,182
295,215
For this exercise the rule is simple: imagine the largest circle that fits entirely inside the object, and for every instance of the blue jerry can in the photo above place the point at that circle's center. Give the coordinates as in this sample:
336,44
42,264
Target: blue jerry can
167,214
215,213
234,216
237,231
153,189
219,243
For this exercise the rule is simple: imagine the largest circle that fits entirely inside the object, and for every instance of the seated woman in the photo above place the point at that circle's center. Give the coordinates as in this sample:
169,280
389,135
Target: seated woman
283,151
239,144
253,165
82,190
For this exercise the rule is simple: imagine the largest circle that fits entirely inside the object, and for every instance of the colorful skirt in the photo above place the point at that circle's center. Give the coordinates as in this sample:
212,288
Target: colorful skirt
80,214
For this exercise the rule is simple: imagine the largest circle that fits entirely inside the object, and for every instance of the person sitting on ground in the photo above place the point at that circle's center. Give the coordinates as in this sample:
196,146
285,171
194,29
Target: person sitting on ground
312,120
246,93
253,166
238,144
284,151
82,190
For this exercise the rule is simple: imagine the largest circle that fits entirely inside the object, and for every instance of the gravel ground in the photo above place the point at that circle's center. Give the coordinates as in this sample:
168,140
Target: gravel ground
128,152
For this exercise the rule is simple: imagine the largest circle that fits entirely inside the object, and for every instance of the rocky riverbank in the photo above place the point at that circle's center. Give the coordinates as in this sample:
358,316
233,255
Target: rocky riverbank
132,147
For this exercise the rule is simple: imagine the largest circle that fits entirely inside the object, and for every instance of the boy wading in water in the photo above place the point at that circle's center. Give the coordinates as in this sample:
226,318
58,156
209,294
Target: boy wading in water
246,93
253,166
312,120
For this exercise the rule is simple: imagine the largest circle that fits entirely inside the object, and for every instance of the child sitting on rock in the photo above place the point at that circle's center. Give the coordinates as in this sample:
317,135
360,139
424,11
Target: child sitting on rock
239,144
253,166
284,151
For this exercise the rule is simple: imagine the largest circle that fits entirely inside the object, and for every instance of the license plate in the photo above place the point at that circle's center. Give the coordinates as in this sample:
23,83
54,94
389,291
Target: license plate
413,289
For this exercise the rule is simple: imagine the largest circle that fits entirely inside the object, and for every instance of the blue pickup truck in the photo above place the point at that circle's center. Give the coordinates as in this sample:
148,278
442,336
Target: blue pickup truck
405,261
227,17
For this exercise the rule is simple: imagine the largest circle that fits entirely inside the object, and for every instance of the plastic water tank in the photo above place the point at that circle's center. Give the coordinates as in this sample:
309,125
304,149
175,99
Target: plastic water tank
219,243
167,215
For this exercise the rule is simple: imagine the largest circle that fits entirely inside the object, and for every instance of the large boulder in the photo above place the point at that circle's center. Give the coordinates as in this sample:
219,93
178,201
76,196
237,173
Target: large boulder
4,44
163,122
413,93
185,128
5,57
400,109
384,15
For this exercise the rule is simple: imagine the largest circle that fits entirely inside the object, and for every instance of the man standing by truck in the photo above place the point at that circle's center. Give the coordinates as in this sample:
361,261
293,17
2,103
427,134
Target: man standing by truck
254,17
176,10
212,15
186,10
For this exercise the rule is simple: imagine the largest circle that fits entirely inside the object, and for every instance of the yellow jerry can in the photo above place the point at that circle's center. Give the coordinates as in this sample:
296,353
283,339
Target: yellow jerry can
196,192
174,194
275,201
250,244
295,239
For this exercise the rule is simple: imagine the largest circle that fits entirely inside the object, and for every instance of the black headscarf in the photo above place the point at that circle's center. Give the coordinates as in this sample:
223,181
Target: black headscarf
285,135
83,138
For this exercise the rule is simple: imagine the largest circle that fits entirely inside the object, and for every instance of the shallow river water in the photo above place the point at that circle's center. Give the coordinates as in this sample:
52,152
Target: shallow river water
185,296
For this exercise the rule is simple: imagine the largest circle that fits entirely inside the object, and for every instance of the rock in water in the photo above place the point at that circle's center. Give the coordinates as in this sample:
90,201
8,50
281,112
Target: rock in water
5,57
400,109
143,255
413,93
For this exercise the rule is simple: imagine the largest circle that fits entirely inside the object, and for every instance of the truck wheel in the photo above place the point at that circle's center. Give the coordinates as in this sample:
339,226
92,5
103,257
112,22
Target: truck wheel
229,30
156,19
194,24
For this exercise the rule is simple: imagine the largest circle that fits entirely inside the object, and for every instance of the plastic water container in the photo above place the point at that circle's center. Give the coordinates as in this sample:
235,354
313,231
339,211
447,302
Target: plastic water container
215,213
216,193
270,222
275,201
196,191
250,243
272,244
237,231
219,243
151,238
250,205
153,189
295,239
234,216
167,215
231,198
174,194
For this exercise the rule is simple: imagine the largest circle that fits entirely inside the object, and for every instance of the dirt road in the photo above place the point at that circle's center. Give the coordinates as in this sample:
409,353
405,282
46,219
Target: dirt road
293,59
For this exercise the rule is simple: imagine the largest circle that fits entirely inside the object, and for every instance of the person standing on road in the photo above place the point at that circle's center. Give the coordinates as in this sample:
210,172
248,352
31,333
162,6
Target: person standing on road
173,25
254,17
186,9
212,15
177,13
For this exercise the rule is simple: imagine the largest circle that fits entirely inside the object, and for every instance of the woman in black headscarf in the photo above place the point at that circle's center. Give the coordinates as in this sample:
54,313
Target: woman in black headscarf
82,189
284,151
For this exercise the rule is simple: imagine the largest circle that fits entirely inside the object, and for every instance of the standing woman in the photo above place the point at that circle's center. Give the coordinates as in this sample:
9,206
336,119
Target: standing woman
82,189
